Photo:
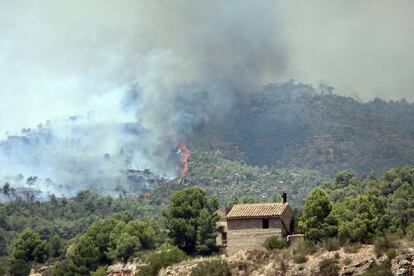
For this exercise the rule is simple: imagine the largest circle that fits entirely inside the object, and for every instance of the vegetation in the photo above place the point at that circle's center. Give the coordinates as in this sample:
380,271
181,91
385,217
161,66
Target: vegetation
191,221
160,259
328,267
383,245
347,261
100,271
292,125
351,247
106,241
87,233
360,210
235,181
331,244
300,258
317,222
383,269
272,243
212,267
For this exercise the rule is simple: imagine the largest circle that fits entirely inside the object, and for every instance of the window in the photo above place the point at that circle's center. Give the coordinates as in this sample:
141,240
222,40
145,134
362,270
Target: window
224,238
265,223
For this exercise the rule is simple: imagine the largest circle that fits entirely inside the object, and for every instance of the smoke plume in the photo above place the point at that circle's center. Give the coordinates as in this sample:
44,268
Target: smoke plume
142,76
166,67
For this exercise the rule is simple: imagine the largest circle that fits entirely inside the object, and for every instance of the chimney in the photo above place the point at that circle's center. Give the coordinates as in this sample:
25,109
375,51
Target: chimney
284,198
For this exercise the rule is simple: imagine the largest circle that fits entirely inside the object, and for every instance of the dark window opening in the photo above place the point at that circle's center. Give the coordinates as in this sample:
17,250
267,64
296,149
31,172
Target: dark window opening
224,238
265,224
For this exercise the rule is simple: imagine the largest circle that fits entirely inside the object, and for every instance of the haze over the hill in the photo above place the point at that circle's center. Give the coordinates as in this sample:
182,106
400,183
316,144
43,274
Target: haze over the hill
171,68
62,59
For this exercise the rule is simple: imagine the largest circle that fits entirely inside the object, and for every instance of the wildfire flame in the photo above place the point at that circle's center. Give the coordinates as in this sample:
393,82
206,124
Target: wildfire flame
185,156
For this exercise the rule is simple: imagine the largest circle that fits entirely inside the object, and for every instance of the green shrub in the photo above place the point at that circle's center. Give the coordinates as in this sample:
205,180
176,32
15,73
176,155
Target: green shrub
272,243
337,256
383,269
347,261
18,267
328,267
213,267
160,259
391,253
331,244
410,231
300,258
383,244
101,271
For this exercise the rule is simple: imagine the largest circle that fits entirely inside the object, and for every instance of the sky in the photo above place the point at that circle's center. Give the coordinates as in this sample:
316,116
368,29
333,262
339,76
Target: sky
59,59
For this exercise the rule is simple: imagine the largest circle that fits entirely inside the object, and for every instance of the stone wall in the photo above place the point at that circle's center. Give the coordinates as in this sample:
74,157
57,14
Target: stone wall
253,223
248,239
287,217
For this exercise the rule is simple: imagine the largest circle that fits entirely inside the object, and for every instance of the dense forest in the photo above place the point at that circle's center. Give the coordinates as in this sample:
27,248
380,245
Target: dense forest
331,154
88,232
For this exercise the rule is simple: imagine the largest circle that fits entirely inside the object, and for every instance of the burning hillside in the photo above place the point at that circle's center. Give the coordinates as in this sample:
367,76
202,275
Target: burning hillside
185,154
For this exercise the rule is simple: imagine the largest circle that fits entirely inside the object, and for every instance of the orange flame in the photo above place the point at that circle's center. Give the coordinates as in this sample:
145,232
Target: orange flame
185,156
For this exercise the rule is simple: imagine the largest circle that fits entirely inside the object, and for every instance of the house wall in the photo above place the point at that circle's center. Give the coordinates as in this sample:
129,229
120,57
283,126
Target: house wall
248,239
253,223
248,234
287,217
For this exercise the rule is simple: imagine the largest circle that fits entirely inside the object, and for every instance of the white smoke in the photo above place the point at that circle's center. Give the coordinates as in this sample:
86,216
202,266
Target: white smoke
169,67
166,67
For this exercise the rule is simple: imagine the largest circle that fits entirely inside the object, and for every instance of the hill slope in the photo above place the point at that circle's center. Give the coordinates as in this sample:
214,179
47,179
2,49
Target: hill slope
292,125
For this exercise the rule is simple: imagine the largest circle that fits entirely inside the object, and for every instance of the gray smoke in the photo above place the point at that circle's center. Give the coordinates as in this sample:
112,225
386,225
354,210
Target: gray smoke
169,67
166,67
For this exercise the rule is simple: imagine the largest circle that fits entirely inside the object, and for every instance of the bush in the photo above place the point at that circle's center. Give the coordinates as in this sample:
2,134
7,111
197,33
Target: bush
410,231
160,259
328,267
383,244
331,244
383,269
391,253
337,256
352,247
272,243
300,258
4,265
18,267
101,271
213,267
347,261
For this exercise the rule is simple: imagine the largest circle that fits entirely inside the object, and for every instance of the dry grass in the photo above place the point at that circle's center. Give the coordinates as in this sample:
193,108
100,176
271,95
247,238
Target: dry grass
352,248
348,261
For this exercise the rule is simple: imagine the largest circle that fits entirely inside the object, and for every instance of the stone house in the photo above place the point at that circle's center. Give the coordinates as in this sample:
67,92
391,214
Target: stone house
246,226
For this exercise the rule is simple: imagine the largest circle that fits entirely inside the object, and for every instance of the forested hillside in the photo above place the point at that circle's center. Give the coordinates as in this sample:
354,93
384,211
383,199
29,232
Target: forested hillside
231,179
75,236
293,125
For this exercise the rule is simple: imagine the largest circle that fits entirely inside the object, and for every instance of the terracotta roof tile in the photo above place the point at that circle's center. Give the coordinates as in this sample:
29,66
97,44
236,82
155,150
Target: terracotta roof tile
256,210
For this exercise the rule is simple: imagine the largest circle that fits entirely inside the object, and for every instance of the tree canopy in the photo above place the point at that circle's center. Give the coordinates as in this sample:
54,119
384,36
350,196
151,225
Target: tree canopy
191,221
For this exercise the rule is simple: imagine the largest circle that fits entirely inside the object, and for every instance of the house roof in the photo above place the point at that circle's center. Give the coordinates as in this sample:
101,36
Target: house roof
256,210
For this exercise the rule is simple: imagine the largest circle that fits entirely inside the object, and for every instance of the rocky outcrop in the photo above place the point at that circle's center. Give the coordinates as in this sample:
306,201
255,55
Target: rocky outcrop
39,271
121,269
179,270
403,265
360,266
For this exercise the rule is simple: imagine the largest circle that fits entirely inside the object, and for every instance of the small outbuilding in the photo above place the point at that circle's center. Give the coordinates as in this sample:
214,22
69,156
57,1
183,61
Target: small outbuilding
248,225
